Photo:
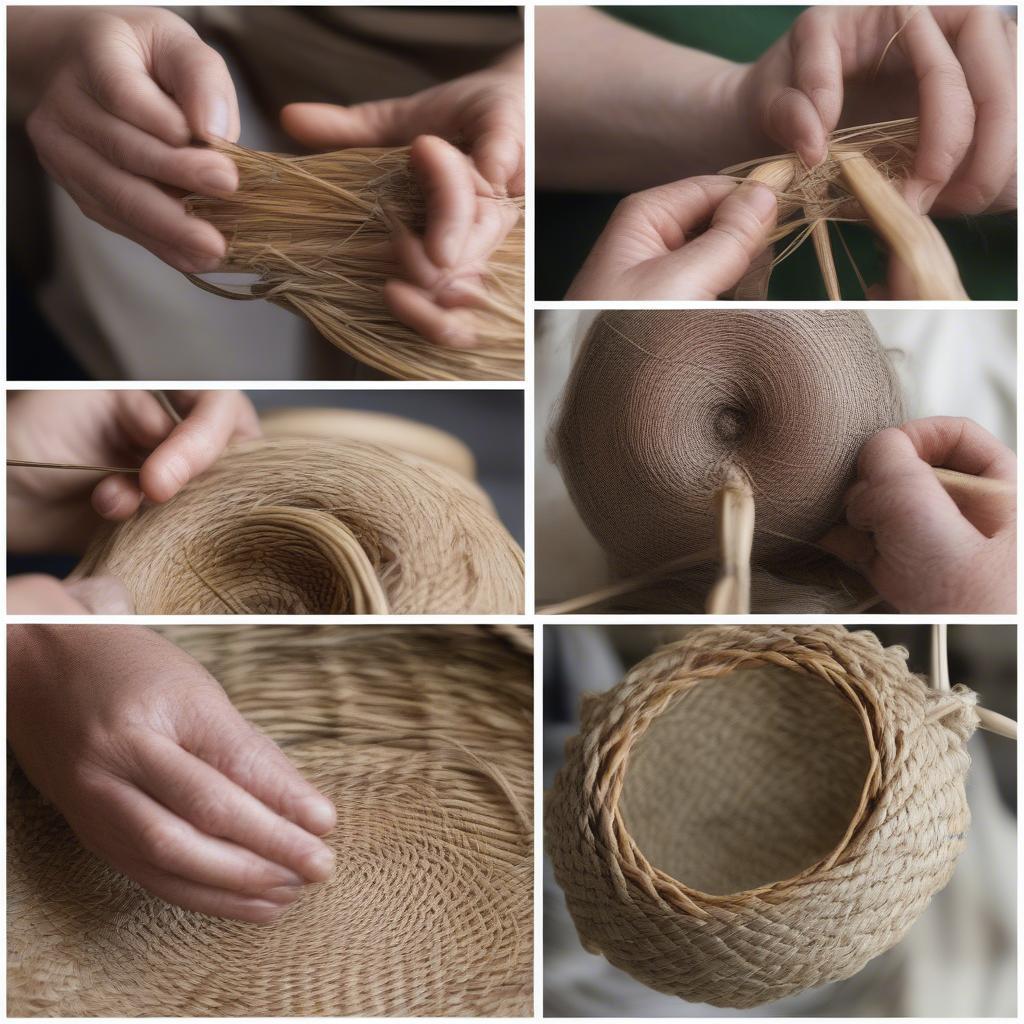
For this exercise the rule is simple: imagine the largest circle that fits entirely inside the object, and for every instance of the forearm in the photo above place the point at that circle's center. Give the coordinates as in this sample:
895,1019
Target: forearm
621,110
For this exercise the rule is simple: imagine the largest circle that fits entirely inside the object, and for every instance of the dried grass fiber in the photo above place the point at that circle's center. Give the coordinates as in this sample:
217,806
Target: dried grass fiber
317,230
662,405
757,810
315,525
423,738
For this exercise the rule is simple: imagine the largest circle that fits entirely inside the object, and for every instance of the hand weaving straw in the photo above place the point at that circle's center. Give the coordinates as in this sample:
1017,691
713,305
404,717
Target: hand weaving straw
663,406
423,739
318,526
318,231
757,810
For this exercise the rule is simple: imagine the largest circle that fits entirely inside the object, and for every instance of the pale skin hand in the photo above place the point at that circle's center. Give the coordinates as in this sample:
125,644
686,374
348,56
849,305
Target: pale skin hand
693,239
58,510
920,551
117,96
38,594
620,110
154,770
466,219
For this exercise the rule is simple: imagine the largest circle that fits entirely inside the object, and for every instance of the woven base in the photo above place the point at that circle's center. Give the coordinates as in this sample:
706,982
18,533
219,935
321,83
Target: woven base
757,810
422,737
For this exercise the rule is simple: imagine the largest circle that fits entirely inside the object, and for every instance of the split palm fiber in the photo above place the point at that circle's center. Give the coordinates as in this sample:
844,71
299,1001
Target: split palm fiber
318,232
756,810
422,736
296,526
661,405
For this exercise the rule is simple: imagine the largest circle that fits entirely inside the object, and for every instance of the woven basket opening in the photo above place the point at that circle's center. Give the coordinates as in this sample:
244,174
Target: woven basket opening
746,779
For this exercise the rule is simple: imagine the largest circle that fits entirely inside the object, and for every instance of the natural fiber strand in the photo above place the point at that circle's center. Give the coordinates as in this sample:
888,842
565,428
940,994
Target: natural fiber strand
757,810
318,231
422,737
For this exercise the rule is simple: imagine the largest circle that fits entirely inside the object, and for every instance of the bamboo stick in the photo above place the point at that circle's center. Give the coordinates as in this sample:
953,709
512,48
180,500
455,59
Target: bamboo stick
964,485
913,238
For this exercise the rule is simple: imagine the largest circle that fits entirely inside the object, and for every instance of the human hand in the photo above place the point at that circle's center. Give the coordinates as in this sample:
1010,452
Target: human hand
953,67
38,594
127,92
921,549
646,252
50,509
467,215
156,772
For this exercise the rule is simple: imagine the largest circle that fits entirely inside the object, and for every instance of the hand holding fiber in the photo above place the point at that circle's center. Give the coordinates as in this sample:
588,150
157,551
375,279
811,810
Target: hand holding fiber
155,771
926,545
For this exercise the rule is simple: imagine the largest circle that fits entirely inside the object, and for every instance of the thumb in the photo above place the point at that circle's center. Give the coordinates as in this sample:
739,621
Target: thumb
197,77
329,126
738,233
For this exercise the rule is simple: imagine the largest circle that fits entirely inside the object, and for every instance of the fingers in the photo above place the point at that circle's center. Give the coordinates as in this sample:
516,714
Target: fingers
254,762
738,233
497,150
329,126
116,74
197,442
818,65
218,807
152,835
987,58
946,108
101,595
419,309
206,899
449,189
849,545
961,444
116,497
197,77
38,594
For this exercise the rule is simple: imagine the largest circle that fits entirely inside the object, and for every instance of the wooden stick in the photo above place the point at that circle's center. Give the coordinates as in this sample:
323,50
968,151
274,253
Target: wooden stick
68,465
967,486
913,238
734,504
992,721
165,402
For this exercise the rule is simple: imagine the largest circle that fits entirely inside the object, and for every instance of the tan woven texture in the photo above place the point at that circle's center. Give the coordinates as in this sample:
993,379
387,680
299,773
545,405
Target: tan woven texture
319,232
756,810
298,525
423,738
662,404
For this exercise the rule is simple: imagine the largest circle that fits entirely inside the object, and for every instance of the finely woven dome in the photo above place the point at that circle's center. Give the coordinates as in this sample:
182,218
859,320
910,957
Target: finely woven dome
753,811
423,738
325,525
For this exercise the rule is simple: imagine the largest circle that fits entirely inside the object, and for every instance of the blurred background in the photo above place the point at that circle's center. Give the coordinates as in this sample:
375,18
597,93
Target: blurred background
958,960
490,423
949,362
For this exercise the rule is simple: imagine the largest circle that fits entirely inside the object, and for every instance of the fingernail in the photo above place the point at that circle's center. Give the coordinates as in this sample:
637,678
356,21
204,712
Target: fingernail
281,894
319,865
105,502
927,196
319,813
217,119
457,337
216,181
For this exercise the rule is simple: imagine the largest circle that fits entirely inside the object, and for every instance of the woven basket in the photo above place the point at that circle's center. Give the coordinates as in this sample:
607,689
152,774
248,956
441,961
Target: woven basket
753,811
423,738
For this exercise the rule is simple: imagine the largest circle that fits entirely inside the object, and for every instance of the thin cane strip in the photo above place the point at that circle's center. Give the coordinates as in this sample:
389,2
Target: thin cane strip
734,505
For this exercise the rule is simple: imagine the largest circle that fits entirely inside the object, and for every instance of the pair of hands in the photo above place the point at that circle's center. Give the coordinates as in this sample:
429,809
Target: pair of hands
952,67
52,510
141,751
128,89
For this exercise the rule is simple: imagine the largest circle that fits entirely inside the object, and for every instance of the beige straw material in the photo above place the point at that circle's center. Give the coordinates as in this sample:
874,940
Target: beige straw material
300,526
423,738
379,428
756,810
664,406
318,232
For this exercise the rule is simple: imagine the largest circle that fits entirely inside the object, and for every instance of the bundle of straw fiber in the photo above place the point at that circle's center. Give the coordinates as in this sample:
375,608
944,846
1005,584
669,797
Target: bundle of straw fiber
293,525
662,406
855,182
423,738
318,231
756,810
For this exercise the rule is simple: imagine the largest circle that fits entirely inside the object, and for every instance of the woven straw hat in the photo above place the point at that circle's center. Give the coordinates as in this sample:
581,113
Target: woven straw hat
423,738
753,811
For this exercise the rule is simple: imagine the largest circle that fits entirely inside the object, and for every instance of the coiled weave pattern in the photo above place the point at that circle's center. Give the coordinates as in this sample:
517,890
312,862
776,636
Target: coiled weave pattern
662,404
753,811
423,738
293,526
